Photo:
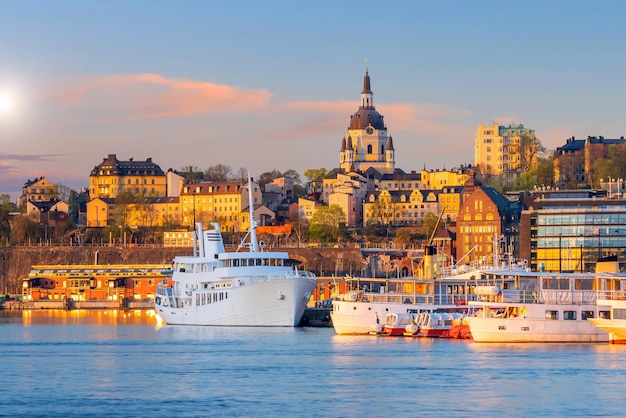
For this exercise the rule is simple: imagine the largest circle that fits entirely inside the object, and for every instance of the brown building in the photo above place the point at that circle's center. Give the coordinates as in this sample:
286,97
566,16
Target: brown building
486,217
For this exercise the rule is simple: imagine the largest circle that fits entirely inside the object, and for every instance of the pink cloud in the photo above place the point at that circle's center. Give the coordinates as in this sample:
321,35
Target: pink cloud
150,96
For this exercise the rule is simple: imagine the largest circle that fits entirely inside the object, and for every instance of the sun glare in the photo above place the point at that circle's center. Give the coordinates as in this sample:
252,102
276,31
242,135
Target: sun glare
5,103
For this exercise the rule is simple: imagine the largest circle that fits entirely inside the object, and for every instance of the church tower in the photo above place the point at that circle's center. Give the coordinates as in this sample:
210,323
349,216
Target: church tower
366,144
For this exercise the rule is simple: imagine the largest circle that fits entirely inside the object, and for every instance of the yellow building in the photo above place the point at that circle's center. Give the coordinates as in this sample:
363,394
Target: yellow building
38,190
497,149
223,202
307,208
154,211
438,179
405,207
100,212
112,177
139,212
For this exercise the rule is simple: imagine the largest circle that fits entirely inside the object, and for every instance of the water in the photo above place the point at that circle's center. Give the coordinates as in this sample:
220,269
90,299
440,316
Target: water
116,364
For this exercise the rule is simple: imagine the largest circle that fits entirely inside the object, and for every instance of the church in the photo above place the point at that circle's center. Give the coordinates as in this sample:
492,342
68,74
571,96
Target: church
367,143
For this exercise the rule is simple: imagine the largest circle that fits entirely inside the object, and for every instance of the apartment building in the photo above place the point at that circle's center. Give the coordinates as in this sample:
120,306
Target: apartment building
499,150
112,177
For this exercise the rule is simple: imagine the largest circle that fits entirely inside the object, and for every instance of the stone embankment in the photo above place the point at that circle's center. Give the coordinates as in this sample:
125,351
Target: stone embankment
16,262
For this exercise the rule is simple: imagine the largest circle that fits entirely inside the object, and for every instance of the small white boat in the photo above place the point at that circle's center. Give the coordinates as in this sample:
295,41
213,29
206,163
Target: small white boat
397,323
612,296
242,288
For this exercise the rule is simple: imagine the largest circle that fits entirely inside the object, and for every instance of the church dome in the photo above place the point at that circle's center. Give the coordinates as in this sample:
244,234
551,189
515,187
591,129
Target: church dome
365,117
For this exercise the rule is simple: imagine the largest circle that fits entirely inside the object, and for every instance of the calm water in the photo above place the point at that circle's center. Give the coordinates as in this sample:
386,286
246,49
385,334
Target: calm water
108,363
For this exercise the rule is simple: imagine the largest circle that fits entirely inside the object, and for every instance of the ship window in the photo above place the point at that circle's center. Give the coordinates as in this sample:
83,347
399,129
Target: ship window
603,314
552,314
569,315
586,314
619,313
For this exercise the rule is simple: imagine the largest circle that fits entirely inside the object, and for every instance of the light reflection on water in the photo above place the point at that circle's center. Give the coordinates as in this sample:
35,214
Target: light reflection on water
116,363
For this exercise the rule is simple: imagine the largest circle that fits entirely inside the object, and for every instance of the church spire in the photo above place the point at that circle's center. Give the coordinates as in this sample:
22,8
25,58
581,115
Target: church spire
367,97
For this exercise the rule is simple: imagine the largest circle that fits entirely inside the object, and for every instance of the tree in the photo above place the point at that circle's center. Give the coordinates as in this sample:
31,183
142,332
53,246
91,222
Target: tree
123,208
526,180
545,170
430,220
6,207
313,174
326,223
604,169
530,148
242,174
25,230
571,169
268,177
217,173
293,174
191,173
385,209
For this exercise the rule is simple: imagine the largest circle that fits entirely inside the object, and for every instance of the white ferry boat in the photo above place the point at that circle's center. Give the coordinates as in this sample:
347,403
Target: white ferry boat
242,288
544,307
612,296
367,302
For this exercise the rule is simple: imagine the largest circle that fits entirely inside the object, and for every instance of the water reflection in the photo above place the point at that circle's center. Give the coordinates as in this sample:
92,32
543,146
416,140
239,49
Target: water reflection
31,317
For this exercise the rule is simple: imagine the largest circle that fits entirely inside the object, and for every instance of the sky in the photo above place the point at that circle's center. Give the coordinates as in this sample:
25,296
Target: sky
271,85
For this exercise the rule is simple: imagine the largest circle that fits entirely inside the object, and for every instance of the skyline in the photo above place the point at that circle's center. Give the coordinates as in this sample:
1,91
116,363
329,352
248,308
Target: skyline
209,84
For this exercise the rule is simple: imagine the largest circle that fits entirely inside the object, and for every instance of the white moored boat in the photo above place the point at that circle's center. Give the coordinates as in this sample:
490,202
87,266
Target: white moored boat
242,288
612,296
544,307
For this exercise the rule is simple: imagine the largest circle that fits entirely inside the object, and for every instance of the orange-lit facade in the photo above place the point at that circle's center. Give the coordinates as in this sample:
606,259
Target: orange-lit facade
93,282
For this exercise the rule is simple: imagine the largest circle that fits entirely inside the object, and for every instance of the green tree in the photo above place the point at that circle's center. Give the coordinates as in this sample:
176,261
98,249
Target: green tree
326,223
6,208
526,180
604,169
316,174
545,171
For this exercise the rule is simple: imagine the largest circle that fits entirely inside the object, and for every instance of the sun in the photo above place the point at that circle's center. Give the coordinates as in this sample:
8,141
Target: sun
6,104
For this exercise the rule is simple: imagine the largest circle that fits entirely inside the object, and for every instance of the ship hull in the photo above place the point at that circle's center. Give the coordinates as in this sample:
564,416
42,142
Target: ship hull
270,303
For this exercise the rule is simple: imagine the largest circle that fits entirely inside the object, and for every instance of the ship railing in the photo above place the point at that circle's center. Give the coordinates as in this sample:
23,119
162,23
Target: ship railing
612,294
545,296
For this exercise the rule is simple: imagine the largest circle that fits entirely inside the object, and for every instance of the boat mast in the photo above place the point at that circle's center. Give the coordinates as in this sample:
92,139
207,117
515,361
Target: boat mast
254,245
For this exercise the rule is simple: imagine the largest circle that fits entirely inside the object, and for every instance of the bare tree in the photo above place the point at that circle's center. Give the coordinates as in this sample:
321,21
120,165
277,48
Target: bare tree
219,172
191,173
242,174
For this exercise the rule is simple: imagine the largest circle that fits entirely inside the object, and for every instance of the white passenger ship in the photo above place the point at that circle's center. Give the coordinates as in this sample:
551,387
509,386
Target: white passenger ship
546,307
612,296
367,302
242,288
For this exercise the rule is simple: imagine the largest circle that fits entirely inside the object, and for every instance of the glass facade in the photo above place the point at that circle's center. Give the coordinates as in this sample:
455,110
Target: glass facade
567,239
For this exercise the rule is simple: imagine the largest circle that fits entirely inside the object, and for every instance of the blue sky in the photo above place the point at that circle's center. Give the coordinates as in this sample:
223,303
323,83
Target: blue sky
272,85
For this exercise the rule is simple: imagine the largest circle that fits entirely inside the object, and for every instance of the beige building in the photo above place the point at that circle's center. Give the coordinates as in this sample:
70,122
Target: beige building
38,190
497,149
223,202
112,177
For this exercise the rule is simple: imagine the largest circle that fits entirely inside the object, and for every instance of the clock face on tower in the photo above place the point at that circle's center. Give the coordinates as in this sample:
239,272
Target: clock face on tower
369,130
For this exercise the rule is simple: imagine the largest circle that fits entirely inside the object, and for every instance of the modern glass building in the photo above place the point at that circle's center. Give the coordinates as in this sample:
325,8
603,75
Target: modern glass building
569,231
